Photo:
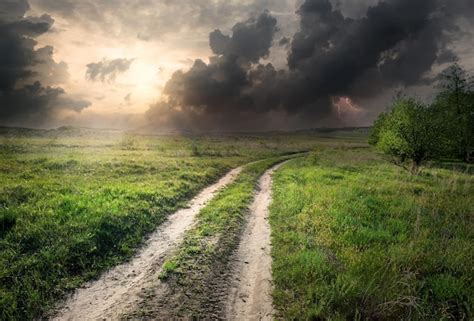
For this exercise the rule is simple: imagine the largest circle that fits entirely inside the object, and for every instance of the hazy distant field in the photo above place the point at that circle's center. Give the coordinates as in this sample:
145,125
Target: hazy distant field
76,201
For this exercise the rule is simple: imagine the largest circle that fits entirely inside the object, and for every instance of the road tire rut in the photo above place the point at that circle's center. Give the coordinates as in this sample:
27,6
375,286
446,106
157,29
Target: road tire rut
231,283
249,295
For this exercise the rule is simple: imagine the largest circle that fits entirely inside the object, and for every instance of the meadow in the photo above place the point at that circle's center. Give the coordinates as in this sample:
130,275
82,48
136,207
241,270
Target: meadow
357,238
74,202
353,236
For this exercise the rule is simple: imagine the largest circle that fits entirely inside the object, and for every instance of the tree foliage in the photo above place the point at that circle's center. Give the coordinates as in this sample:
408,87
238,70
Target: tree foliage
454,108
413,131
406,132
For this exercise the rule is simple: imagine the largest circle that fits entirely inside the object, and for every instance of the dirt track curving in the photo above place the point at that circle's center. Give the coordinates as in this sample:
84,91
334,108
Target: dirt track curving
230,282
250,294
120,289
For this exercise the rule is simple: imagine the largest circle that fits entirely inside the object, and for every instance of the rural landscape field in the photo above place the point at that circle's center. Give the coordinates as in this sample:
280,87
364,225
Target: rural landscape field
75,202
352,235
237,160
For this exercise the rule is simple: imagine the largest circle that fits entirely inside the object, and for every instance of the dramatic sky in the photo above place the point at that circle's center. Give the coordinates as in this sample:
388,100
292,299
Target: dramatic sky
222,65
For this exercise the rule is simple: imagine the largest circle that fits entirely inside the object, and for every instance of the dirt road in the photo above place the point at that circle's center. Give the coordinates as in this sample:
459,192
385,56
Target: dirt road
250,295
118,290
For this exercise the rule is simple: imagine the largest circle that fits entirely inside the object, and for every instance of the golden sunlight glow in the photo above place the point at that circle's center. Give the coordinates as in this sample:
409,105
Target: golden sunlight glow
131,92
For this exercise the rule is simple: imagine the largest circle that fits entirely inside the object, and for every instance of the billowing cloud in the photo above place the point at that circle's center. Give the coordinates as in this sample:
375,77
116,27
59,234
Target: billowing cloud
210,93
250,40
395,43
107,70
24,97
299,64
11,11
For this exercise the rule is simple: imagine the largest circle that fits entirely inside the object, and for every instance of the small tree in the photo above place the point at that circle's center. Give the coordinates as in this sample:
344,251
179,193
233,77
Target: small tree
407,133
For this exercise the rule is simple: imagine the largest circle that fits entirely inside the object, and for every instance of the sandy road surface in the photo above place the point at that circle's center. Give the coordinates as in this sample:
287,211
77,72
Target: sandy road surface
117,291
250,294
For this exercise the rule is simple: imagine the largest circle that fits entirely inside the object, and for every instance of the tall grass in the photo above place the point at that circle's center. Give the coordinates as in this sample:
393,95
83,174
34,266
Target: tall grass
357,238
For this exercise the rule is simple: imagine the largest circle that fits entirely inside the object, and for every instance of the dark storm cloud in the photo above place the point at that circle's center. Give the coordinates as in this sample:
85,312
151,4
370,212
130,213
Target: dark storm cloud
250,40
24,98
464,8
17,52
222,83
33,104
354,9
107,70
47,70
395,43
222,89
12,10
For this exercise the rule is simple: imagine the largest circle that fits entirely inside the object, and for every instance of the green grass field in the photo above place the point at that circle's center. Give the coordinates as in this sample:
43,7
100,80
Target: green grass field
357,238
354,237
74,202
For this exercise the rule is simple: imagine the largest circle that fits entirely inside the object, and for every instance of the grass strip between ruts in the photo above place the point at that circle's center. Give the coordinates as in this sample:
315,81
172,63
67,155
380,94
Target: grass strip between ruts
197,272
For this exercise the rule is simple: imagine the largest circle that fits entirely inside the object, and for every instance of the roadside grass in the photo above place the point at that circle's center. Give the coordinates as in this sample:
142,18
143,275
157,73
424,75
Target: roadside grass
196,272
223,214
64,219
354,237
75,202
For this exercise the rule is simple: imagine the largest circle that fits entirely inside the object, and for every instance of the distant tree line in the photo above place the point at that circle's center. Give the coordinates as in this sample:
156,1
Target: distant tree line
411,132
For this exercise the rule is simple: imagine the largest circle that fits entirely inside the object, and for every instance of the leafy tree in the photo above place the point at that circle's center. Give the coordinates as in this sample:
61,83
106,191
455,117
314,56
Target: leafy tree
454,111
407,133
413,131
